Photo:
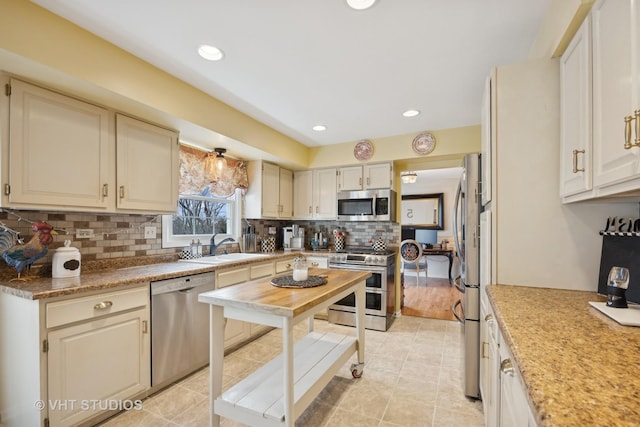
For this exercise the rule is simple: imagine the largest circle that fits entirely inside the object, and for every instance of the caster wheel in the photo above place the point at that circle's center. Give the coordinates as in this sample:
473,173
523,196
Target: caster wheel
356,370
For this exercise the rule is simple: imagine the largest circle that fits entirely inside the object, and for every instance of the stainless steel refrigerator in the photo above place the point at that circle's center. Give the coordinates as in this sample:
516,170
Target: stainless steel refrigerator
466,222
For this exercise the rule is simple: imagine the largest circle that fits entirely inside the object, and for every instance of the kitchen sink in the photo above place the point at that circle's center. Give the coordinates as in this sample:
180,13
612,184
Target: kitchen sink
226,258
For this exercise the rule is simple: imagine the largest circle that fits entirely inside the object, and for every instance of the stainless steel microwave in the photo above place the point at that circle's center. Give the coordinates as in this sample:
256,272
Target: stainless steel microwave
367,205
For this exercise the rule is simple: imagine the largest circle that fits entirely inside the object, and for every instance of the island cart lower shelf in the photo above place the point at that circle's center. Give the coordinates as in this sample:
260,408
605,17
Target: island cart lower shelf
279,392
259,398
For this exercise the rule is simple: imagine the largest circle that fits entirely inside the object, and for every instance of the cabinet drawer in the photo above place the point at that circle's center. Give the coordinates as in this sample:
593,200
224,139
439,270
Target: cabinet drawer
77,309
282,266
261,270
232,277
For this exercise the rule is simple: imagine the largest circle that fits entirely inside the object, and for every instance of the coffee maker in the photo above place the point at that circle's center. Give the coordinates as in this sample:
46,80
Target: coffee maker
292,238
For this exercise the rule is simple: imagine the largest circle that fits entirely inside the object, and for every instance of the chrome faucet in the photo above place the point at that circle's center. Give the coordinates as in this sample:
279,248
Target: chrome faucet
213,246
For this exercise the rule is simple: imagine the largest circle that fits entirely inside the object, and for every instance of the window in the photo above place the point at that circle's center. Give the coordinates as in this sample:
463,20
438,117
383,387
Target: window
200,217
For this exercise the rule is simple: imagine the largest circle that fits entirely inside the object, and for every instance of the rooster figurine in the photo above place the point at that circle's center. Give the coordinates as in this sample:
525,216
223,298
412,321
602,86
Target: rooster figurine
21,257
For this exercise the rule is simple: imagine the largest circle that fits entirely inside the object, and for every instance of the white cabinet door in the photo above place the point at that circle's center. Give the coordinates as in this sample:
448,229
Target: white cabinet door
147,166
101,360
324,194
350,178
303,194
285,193
60,151
378,175
514,405
615,90
575,114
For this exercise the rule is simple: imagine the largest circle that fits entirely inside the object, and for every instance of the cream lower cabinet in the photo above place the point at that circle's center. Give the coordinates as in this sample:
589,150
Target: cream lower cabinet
489,363
64,154
82,357
236,332
514,404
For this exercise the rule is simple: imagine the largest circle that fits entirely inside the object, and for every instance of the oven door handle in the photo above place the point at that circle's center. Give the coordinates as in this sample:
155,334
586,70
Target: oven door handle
358,268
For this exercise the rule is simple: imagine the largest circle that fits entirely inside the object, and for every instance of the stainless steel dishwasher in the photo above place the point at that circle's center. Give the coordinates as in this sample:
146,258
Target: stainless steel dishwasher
179,327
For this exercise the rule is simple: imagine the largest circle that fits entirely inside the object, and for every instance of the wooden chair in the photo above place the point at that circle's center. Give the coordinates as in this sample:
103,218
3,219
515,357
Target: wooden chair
411,254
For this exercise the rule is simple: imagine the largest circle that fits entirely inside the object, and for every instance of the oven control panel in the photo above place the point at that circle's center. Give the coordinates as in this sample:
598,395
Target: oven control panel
358,259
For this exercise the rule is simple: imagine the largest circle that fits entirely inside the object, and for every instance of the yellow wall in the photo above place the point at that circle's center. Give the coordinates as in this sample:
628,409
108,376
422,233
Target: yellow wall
451,144
32,34
46,49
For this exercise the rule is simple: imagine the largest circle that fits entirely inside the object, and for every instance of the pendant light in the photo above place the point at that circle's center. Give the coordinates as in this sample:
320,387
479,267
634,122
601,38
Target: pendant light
409,177
215,164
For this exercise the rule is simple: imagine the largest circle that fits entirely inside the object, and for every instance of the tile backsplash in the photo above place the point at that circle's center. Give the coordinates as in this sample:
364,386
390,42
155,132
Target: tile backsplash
120,237
115,235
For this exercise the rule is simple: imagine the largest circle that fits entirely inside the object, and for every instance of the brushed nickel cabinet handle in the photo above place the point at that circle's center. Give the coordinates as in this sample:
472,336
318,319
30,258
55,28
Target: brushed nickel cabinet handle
314,264
103,305
627,132
507,368
105,190
575,161
484,352
145,327
368,181
310,210
122,191
360,181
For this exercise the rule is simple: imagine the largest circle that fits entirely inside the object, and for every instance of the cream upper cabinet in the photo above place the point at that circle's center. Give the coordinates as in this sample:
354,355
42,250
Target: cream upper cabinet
285,187
67,154
350,178
302,194
270,193
315,194
324,194
616,79
575,110
147,166
60,152
369,176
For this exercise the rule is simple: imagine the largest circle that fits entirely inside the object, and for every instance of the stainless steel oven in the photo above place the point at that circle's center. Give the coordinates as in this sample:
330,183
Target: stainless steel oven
380,289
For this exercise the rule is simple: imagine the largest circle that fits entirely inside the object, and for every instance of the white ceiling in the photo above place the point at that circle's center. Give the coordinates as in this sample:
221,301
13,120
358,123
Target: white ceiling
292,64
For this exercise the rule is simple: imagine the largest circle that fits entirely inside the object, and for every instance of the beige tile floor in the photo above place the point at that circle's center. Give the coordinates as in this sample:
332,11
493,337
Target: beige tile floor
412,377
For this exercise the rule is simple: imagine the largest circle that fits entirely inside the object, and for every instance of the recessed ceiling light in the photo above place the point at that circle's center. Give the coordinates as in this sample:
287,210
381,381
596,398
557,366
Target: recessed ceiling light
360,4
210,53
411,113
319,128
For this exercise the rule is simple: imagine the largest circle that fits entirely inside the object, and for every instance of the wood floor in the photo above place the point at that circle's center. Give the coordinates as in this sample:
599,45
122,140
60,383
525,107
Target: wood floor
433,299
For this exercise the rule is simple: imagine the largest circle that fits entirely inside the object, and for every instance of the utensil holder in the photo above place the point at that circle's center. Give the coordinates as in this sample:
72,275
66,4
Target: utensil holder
339,243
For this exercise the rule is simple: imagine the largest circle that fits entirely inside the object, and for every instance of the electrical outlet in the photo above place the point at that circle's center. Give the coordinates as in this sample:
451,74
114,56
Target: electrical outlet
84,233
150,232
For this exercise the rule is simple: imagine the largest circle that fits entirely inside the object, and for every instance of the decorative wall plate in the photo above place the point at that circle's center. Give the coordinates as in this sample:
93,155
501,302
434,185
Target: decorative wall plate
424,143
363,150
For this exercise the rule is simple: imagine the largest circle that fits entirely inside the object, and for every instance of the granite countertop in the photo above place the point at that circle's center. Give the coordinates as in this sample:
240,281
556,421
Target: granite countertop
120,274
578,365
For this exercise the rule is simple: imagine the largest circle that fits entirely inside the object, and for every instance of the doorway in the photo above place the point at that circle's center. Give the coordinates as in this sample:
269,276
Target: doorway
434,296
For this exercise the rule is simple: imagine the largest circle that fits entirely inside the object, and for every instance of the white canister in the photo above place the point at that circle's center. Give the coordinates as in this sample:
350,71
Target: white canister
66,261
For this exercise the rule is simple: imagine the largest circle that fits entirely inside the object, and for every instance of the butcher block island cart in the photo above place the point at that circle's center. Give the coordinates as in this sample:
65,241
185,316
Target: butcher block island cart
278,392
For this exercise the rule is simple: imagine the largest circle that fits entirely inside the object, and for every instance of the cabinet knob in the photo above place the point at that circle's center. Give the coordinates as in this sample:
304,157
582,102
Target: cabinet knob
488,318
507,368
